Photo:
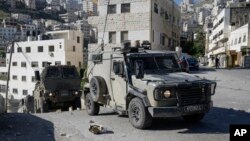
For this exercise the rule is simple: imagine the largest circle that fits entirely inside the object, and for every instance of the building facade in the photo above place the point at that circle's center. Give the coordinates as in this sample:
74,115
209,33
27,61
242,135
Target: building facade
59,48
138,20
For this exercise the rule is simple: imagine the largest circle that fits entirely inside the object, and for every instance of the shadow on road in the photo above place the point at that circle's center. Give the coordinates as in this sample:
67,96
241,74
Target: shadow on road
217,121
203,71
25,127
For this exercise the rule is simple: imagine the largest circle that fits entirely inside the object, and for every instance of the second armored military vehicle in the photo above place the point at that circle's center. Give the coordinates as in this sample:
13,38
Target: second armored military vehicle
58,86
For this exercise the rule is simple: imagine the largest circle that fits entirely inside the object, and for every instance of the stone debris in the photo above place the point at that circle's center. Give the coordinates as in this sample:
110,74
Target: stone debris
97,129
10,126
63,134
91,121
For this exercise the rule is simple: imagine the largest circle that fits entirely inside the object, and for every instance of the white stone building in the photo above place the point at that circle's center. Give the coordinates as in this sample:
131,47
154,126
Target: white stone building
63,48
21,17
239,45
89,7
219,38
30,4
138,20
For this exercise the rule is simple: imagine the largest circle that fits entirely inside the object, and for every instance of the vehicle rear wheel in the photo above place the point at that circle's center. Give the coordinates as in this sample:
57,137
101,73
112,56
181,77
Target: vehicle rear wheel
92,107
194,117
139,116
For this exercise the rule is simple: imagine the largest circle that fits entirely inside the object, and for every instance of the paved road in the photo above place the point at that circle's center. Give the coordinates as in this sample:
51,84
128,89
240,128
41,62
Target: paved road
231,106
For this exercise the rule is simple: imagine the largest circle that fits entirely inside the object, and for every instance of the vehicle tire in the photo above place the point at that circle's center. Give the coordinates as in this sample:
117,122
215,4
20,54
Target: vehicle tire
77,103
138,115
97,88
92,107
194,117
44,106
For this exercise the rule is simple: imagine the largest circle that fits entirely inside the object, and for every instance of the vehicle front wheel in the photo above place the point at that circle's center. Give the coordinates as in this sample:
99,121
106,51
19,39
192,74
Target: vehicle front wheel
194,117
139,116
92,107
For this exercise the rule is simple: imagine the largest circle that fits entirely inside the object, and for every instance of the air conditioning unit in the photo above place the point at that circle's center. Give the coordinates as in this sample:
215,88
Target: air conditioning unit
51,54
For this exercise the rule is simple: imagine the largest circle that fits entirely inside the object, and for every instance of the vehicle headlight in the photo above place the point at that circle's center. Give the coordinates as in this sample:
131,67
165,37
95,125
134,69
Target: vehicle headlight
167,93
212,88
76,92
162,94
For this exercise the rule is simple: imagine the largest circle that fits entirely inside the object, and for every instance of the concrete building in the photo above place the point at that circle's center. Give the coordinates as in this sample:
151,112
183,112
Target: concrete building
21,17
68,17
59,48
239,46
89,7
138,20
7,34
219,38
30,4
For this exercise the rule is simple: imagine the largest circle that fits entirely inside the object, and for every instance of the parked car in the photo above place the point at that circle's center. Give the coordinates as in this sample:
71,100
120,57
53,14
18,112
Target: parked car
193,64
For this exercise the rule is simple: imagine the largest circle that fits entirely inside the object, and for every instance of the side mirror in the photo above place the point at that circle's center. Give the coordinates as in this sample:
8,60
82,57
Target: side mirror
37,76
118,68
139,69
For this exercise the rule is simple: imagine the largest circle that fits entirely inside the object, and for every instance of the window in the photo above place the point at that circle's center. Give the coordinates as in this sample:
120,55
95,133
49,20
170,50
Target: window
15,91
40,48
125,8
57,63
2,88
111,9
74,48
112,37
80,64
23,64
33,79
23,78
156,8
68,63
34,64
239,40
244,38
14,77
25,92
124,36
166,15
27,49
162,39
19,49
162,12
44,64
78,39
14,63
51,48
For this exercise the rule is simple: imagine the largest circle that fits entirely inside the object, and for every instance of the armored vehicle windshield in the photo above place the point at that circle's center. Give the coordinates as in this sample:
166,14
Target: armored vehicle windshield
64,72
156,63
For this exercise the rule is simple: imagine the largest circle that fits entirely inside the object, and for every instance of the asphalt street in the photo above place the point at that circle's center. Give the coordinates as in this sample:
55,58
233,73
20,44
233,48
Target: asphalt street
231,106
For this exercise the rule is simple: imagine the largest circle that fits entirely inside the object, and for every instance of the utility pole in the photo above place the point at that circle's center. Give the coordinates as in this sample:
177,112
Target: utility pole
7,87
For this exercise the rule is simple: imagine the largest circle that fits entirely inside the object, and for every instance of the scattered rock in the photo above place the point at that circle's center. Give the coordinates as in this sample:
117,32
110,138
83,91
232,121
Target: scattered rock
98,129
91,121
10,126
63,134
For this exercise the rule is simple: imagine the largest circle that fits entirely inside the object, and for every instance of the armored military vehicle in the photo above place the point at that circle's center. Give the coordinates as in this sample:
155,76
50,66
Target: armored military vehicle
58,86
144,84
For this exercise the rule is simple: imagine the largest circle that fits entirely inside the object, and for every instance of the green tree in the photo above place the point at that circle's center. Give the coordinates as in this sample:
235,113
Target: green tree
195,47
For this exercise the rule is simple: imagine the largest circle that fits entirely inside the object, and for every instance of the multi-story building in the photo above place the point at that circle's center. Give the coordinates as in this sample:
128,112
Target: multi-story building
68,17
138,20
239,46
30,4
7,34
219,38
21,17
89,7
59,48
